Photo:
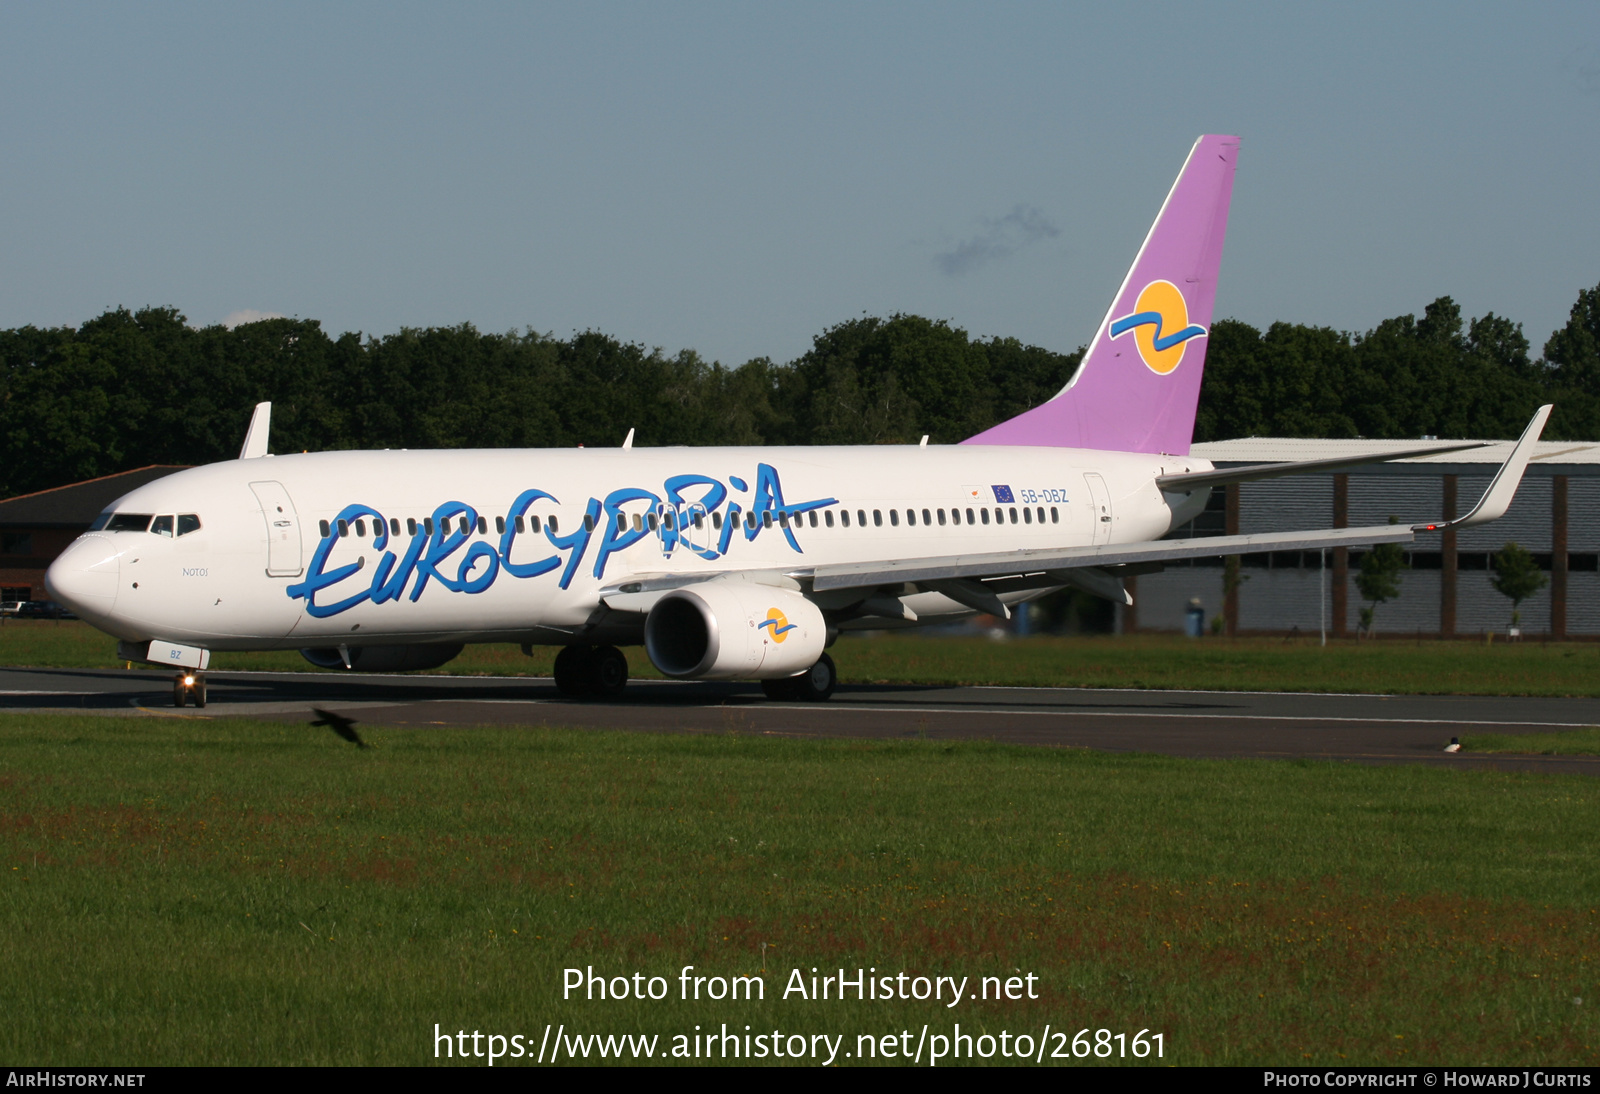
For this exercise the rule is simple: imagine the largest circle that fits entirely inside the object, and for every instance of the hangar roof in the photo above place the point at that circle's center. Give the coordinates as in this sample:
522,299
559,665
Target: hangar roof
76,504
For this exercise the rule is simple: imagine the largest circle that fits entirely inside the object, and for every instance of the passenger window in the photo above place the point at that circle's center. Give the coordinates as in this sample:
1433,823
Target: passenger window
556,528
783,518
667,519
651,520
926,520
750,521
1013,515
129,522
844,517
322,526
985,516
483,526
1027,516
361,528
766,518
411,526
941,518
985,513
638,523
500,524
344,528
716,520
533,523
894,517
1040,511
188,522
427,525
877,518
588,522
466,523
813,518
1055,518
827,518
699,521
955,516
394,525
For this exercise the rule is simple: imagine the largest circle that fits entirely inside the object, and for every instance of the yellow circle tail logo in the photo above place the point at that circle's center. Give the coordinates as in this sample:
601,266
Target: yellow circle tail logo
1160,326
780,625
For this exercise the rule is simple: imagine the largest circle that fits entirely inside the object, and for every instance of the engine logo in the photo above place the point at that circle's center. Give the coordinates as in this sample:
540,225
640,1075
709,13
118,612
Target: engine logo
779,623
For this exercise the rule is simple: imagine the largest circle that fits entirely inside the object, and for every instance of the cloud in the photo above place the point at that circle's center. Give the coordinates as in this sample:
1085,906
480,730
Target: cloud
1584,62
1001,237
248,315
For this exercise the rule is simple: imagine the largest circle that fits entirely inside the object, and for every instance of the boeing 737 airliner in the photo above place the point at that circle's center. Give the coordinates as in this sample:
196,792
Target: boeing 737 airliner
724,563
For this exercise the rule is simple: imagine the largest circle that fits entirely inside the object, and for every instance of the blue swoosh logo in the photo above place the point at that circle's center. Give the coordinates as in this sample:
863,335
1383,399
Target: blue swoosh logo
1139,319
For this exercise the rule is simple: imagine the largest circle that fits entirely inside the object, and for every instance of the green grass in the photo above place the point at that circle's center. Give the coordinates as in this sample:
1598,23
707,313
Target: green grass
1571,742
1140,661
184,890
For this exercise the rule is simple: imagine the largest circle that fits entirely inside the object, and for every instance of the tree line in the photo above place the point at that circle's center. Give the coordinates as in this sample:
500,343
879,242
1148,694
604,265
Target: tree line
131,388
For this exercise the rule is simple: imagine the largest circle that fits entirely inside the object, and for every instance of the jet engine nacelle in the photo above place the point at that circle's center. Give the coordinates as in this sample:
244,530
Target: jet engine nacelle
386,658
726,630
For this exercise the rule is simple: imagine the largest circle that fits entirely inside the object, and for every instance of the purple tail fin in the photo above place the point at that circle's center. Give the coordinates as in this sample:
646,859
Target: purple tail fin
1139,383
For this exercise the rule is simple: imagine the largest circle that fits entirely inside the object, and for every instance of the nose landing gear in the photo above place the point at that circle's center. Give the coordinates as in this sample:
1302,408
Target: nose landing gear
189,687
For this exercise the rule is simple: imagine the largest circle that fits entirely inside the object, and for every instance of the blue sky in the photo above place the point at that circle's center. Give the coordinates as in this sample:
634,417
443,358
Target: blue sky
735,178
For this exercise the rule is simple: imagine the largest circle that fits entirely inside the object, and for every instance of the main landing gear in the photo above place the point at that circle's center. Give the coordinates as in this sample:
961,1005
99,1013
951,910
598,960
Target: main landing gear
583,672
812,686
189,687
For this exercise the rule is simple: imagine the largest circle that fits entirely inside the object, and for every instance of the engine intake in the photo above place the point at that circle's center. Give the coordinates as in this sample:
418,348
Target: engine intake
727,630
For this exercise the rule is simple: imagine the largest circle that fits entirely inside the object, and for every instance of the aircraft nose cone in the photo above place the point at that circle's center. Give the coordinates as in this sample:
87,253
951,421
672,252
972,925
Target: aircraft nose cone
86,576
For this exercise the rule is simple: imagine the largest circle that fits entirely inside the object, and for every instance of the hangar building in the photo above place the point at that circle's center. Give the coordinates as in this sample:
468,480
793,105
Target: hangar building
1446,592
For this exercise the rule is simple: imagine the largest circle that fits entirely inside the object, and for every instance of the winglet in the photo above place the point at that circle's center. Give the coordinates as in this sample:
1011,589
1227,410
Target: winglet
255,441
1497,499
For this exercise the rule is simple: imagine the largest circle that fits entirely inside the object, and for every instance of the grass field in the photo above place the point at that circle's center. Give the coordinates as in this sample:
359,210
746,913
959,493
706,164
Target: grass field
1136,661
193,891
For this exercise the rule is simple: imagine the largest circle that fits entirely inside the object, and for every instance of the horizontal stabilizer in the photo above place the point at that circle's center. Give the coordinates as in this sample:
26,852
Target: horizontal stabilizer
1200,480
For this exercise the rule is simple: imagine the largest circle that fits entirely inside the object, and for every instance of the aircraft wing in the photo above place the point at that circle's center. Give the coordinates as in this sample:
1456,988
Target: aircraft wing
1197,480
1087,566
1017,563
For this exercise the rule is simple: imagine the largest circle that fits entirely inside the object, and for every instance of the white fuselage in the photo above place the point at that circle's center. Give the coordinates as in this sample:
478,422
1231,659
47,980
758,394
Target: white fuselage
261,573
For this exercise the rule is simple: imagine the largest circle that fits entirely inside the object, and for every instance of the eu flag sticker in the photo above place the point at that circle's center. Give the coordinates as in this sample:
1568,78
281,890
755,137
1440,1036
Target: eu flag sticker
1002,495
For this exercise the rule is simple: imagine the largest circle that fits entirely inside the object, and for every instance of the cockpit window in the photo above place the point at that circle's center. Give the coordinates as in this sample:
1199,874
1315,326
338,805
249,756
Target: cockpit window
100,522
162,526
188,522
128,522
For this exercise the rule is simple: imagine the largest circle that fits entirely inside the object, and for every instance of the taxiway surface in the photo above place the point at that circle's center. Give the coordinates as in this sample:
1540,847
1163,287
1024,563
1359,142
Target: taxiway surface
1363,728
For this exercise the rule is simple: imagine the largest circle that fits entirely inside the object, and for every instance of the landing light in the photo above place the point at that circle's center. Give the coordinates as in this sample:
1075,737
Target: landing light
188,681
